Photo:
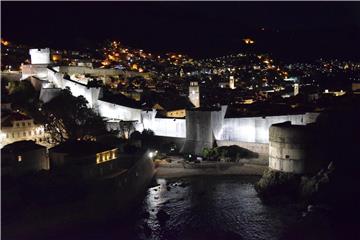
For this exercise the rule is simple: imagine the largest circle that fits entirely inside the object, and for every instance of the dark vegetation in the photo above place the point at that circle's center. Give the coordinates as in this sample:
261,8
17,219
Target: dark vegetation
232,153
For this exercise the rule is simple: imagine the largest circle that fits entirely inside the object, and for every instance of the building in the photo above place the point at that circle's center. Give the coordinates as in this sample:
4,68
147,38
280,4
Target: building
83,159
194,94
23,157
172,106
16,126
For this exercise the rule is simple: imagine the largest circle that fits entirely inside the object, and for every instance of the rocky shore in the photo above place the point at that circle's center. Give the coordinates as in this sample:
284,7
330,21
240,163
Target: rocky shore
240,169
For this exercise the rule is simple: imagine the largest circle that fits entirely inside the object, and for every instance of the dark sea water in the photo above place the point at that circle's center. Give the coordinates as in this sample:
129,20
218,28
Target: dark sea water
203,208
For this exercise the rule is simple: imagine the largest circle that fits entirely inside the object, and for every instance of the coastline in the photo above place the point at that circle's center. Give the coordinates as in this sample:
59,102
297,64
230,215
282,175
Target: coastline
178,172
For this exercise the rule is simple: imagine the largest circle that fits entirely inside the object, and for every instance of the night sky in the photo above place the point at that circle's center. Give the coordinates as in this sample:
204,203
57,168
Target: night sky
293,30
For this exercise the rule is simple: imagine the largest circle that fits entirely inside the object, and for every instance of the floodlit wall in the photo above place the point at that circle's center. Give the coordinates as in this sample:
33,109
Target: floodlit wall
199,132
90,94
40,56
114,111
98,71
47,94
293,148
168,127
256,129
40,71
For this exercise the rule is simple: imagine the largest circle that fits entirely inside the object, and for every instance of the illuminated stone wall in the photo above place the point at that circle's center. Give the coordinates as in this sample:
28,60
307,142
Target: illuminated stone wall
40,56
114,111
292,148
199,132
256,129
38,70
168,127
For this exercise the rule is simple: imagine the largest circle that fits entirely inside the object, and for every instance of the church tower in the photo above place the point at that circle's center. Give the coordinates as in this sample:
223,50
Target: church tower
194,94
296,89
232,82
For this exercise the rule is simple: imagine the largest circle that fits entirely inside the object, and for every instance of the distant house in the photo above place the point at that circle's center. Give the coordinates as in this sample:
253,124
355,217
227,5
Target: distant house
84,159
23,157
172,108
16,126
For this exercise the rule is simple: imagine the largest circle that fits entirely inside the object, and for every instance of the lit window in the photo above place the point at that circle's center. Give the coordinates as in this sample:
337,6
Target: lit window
97,158
19,158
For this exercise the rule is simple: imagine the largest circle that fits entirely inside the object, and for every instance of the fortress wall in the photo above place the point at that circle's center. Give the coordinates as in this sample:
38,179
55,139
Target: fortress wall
11,76
87,70
37,70
114,111
90,94
199,132
256,129
99,71
168,127
292,148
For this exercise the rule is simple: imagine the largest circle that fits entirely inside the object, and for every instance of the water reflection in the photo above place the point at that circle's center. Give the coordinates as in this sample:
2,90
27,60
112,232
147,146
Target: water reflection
212,207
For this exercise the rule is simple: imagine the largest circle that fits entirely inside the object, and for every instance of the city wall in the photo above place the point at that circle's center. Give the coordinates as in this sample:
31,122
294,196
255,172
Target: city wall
166,127
200,128
114,111
256,129
292,148
98,71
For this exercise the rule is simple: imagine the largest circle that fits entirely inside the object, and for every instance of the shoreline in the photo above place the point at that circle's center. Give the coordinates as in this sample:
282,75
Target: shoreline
241,170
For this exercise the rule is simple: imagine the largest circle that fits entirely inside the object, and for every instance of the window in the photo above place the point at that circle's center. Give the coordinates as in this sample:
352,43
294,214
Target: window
29,123
287,156
23,124
24,134
13,135
18,124
19,158
29,133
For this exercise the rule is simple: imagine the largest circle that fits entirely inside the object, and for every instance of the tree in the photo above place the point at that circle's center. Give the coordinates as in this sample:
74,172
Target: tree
147,137
68,117
126,128
24,97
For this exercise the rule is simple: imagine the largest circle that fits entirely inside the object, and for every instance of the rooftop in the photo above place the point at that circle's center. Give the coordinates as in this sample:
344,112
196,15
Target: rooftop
120,99
20,147
81,148
8,119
